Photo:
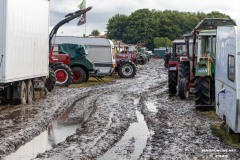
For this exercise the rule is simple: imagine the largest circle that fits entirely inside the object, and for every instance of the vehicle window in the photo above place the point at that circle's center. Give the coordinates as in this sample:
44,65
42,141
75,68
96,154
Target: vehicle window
231,68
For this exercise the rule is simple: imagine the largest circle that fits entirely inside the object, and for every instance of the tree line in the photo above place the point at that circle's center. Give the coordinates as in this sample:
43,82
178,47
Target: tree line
144,25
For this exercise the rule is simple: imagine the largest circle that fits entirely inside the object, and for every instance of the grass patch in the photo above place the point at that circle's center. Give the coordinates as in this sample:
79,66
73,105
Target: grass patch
231,139
211,114
93,81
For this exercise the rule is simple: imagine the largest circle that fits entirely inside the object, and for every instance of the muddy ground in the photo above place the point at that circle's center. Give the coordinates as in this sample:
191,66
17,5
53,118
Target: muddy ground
127,119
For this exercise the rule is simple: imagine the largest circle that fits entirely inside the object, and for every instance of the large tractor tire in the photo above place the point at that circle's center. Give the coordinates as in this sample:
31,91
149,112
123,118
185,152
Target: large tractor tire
51,81
172,82
203,92
63,73
183,71
183,91
79,75
127,70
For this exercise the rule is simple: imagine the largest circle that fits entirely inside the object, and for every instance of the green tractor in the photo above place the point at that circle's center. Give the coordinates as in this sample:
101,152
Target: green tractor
204,62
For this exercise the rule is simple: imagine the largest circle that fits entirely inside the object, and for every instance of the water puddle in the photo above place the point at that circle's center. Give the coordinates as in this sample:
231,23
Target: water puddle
132,143
57,132
152,107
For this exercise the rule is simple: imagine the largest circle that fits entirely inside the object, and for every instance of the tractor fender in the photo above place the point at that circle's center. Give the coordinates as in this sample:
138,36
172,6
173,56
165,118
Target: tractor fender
54,64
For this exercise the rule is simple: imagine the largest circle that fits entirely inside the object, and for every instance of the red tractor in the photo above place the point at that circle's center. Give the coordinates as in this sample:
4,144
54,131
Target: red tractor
179,48
58,62
125,64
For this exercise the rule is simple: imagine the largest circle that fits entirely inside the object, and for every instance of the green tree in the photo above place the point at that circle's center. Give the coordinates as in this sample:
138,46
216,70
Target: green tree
116,26
144,24
162,42
95,33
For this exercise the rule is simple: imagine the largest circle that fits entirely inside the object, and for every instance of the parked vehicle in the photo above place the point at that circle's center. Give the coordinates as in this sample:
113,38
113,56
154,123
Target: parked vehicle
100,52
81,66
227,78
125,63
179,48
24,49
60,62
200,71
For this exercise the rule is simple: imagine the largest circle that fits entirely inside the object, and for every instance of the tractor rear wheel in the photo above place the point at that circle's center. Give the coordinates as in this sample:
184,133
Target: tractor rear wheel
63,74
183,91
172,82
183,71
203,96
127,70
79,75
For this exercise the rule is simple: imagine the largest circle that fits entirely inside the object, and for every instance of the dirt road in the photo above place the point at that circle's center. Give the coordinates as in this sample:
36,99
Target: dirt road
128,119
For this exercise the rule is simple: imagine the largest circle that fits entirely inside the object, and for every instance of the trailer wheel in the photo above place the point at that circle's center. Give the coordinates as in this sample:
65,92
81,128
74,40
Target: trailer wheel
63,73
79,75
127,70
23,93
30,91
203,91
183,91
172,82
51,81
183,71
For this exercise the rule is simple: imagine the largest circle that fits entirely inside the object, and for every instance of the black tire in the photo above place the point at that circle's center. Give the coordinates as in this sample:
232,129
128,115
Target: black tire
79,75
23,93
172,82
183,71
63,73
51,81
127,70
203,95
30,91
183,91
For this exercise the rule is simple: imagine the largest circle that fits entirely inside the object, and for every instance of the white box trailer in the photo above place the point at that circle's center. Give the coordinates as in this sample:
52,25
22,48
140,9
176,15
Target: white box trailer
100,51
227,78
24,50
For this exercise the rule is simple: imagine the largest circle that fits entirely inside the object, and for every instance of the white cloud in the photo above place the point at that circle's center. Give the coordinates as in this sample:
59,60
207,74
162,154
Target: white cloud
103,10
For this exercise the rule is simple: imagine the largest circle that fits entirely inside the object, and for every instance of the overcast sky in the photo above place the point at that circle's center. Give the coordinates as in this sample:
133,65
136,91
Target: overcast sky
102,10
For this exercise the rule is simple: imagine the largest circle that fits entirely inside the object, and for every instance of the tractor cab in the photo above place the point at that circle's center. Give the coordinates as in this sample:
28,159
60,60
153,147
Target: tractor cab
206,53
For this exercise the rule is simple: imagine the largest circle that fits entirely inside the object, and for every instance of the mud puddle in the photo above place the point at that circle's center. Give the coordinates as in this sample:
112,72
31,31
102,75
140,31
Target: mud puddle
132,143
56,133
152,106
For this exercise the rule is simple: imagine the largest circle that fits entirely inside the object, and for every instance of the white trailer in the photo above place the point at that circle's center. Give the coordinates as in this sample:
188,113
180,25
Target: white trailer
24,50
100,51
227,80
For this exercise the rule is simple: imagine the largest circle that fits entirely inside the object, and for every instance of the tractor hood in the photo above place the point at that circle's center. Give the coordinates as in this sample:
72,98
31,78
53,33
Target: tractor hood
76,51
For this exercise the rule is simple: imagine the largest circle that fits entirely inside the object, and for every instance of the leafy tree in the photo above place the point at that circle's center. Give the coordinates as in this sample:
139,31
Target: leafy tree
95,33
162,42
116,26
144,25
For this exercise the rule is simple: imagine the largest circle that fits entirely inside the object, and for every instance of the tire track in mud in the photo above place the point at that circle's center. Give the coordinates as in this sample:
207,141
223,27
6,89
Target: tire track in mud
87,142
180,132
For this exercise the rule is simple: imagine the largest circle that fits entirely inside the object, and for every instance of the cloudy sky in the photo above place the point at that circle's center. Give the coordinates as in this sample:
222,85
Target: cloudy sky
102,10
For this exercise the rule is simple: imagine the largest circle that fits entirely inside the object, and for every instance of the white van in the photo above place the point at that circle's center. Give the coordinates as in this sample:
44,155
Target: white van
227,78
100,51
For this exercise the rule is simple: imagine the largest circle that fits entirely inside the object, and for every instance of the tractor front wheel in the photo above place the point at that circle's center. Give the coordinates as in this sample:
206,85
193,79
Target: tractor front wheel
51,81
172,82
127,70
183,90
63,74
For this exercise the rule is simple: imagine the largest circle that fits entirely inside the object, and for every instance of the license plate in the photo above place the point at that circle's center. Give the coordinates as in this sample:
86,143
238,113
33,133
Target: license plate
172,68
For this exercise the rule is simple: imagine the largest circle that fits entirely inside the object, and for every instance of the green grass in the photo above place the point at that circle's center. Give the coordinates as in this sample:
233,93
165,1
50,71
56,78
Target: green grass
231,139
211,114
93,81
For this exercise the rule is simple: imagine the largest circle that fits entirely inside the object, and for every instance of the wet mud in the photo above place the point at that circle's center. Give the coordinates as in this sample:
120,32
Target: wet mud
128,119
